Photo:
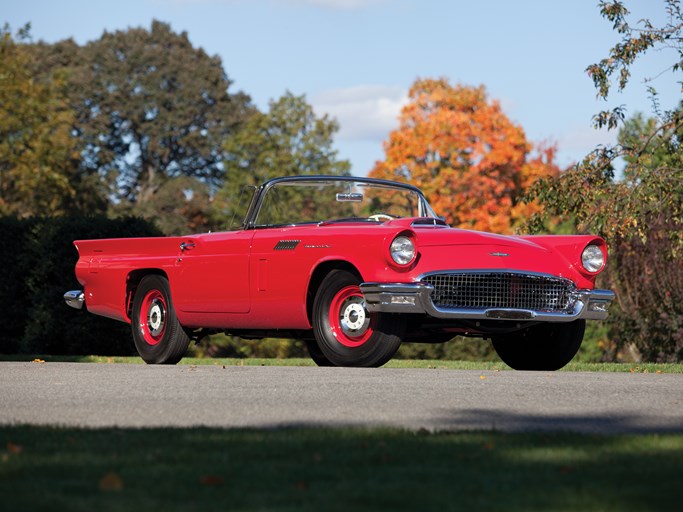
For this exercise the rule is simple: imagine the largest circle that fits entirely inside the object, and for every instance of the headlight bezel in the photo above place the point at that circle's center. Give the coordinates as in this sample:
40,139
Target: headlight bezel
402,250
593,258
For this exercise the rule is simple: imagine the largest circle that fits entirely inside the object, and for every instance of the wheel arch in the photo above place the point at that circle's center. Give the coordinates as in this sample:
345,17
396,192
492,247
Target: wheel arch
133,279
317,277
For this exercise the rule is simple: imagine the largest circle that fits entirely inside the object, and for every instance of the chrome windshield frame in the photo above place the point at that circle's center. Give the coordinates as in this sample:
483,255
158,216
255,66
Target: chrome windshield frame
424,208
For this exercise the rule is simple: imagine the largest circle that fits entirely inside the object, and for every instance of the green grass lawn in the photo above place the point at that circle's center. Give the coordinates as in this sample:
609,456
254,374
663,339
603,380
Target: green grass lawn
395,363
334,469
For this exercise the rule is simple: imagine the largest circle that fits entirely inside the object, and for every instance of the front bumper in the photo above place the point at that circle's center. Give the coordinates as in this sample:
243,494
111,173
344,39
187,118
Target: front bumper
416,298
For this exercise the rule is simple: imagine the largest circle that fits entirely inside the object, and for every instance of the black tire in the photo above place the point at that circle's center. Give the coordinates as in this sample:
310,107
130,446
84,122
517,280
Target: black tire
159,338
544,347
346,334
316,354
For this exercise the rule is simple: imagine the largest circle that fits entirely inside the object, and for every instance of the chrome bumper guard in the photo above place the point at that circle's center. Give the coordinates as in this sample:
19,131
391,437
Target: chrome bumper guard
75,299
416,298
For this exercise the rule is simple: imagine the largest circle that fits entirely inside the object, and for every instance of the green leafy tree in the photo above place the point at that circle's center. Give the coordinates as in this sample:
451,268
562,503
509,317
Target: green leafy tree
149,107
636,41
38,156
288,140
641,215
662,151
179,206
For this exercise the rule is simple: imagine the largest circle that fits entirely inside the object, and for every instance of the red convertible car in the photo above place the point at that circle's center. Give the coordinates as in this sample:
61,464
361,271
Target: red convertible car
353,266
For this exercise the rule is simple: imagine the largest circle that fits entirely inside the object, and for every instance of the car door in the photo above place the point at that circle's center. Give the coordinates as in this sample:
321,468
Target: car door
282,262
213,273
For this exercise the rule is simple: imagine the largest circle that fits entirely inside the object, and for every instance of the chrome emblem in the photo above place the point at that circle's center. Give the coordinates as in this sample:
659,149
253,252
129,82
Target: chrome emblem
500,254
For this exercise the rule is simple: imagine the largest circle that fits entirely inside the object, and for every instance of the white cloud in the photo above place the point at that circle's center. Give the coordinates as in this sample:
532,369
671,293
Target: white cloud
585,139
508,105
364,112
574,144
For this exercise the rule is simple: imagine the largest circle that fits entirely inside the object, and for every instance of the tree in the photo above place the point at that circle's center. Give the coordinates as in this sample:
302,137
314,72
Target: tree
38,156
664,149
641,215
636,41
472,162
149,107
288,140
180,205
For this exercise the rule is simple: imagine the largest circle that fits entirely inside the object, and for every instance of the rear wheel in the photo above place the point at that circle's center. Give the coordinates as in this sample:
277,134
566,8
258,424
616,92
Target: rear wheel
544,347
158,336
346,333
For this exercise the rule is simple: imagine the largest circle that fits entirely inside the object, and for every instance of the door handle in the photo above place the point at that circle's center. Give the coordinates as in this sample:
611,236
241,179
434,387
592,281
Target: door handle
186,245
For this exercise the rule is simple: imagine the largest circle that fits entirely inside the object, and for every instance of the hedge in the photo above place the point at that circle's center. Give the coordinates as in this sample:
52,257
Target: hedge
39,260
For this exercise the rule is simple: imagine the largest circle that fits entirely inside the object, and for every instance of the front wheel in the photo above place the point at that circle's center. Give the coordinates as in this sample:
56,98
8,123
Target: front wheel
544,347
346,333
158,336
316,354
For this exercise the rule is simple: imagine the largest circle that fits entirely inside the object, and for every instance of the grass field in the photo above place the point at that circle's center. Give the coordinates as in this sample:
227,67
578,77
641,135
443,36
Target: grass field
344,469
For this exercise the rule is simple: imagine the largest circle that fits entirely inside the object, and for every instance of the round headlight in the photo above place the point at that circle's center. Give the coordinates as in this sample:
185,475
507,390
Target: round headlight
592,258
402,250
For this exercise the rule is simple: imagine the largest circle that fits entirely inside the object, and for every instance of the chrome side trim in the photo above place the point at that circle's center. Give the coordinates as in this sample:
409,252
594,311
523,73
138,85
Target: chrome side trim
75,298
416,298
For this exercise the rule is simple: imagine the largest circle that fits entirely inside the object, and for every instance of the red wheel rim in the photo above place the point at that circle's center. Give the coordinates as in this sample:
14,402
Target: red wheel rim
350,322
153,313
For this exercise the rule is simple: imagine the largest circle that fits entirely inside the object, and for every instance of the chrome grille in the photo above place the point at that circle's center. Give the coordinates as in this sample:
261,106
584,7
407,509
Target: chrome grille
509,290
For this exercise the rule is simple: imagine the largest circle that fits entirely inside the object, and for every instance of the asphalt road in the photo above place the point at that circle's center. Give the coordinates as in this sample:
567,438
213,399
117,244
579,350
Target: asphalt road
104,395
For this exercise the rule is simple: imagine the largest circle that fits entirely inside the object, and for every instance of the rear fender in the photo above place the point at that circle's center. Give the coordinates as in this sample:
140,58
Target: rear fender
133,280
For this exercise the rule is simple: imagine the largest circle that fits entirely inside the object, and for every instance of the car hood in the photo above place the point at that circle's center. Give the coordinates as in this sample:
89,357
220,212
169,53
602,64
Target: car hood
444,236
446,248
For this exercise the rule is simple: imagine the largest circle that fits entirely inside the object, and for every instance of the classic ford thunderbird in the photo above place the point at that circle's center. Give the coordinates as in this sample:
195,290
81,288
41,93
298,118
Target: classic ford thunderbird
355,267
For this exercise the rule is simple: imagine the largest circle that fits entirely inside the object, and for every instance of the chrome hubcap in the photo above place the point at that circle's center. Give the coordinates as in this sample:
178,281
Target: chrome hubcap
156,317
354,318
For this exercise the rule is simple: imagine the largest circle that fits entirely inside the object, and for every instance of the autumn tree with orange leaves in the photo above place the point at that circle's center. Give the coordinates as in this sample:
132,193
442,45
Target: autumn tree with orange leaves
472,162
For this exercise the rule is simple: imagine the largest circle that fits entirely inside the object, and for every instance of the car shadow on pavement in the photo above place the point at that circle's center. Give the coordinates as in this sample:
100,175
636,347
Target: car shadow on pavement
509,421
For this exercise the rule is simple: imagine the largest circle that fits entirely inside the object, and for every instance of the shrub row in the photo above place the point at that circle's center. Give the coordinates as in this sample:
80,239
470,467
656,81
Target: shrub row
39,260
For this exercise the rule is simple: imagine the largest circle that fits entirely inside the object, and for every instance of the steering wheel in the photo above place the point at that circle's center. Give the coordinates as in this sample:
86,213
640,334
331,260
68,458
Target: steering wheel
382,217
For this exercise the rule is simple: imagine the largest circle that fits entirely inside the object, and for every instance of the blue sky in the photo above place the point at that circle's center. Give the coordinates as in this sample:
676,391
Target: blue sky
356,59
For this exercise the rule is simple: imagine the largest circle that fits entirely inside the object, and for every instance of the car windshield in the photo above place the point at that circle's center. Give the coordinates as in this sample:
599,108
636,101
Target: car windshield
312,201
